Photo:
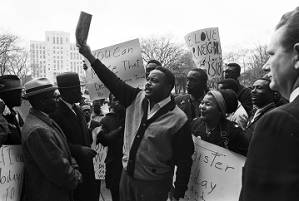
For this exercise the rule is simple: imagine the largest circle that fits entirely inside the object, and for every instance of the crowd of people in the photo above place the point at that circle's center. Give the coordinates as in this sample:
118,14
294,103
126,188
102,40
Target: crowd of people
149,131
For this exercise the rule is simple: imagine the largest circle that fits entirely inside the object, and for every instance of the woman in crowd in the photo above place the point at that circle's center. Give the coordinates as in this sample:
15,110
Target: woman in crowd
213,126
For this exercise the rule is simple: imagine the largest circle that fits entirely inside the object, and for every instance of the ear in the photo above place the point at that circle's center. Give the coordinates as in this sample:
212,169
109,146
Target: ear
296,49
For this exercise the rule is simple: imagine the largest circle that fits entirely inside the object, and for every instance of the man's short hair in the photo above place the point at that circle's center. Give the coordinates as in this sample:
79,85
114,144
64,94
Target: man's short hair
291,22
236,66
154,62
267,79
170,79
230,84
202,73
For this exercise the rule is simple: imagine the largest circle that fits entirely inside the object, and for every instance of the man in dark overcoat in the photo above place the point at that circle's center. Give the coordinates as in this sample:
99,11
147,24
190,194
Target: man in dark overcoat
271,171
70,118
50,171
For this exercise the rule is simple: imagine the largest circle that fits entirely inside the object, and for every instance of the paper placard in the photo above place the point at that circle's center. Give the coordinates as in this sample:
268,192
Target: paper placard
99,161
11,172
82,28
215,175
207,54
124,60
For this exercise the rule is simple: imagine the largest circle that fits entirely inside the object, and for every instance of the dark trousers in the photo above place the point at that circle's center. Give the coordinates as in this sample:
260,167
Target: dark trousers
142,190
114,193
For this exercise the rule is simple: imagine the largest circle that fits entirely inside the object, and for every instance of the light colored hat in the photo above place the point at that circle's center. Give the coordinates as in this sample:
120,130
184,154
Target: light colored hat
37,86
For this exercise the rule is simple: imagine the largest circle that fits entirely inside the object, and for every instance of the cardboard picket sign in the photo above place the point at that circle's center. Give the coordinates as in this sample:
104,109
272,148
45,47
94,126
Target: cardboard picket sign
216,173
82,28
205,47
11,172
124,60
99,161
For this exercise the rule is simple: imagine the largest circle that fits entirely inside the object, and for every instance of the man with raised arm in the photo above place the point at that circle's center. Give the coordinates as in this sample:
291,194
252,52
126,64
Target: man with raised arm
156,138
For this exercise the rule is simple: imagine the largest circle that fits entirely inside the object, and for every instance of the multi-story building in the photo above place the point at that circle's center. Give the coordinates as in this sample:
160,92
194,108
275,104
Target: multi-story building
54,56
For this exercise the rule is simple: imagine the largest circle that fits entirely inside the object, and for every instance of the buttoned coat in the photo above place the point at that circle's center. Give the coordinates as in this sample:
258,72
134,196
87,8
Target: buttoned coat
271,171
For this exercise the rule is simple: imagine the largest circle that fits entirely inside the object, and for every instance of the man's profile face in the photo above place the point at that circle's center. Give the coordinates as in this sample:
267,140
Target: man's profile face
71,95
156,86
280,65
230,72
12,98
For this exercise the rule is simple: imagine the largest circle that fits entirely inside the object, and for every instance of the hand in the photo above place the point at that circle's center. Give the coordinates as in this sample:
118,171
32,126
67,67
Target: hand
86,52
78,176
88,152
95,133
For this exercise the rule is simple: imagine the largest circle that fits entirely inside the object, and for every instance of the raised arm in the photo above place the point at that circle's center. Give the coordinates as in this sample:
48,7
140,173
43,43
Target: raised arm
122,91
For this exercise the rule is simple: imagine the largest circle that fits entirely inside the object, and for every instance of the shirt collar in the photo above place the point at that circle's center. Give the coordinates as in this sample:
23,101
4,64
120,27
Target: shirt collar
157,107
70,106
163,102
294,94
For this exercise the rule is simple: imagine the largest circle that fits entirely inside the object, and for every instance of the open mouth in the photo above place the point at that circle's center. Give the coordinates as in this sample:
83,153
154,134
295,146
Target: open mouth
147,90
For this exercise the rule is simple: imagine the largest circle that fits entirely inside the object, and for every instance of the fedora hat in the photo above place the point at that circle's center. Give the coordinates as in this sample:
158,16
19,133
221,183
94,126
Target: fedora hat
68,80
9,83
37,86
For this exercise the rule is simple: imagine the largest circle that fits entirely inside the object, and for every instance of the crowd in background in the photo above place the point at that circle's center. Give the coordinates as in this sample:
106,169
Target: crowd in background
149,131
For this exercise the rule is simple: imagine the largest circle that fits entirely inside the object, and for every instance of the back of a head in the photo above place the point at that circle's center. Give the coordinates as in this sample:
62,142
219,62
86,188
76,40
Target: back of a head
229,84
153,61
170,79
203,77
151,65
231,100
290,21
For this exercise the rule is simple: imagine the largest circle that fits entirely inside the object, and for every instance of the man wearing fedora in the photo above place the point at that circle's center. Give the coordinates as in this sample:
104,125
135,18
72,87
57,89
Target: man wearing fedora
72,121
50,171
10,93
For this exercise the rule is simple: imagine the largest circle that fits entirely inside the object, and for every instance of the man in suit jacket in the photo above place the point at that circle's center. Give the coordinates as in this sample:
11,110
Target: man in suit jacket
70,118
51,172
262,99
271,171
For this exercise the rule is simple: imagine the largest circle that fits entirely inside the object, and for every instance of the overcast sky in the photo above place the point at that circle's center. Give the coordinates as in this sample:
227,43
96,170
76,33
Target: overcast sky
241,23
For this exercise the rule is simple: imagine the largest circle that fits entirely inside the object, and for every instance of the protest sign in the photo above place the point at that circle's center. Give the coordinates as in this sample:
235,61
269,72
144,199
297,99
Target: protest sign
124,60
99,161
82,28
11,172
215,175
207,54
